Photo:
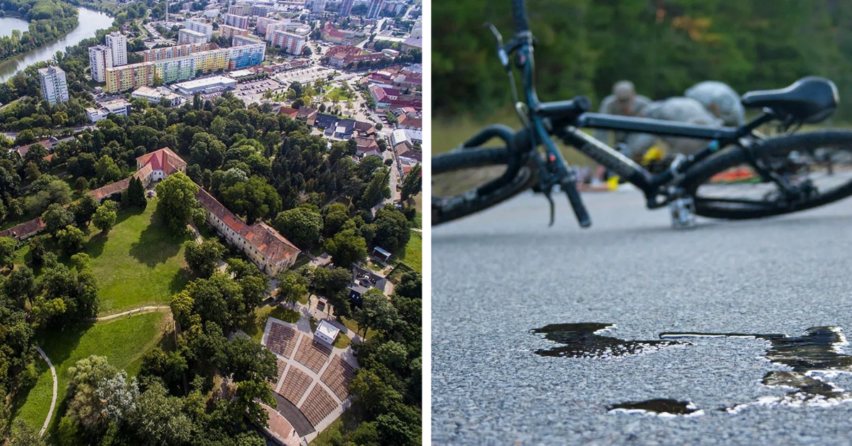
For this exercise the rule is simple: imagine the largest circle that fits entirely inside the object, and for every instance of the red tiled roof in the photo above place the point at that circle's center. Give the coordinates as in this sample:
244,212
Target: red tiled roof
163,159
291,112
261,236
24,230
112,188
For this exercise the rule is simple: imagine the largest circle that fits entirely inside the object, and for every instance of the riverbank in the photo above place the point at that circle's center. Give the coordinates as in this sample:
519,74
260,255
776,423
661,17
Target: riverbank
48,22
89,21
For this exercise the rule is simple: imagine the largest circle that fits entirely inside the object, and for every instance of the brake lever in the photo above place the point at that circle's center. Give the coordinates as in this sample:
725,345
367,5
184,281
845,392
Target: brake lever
547,194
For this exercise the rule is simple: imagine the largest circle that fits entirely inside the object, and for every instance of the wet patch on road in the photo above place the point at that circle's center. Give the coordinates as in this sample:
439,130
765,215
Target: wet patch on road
583,341
660,407
814,358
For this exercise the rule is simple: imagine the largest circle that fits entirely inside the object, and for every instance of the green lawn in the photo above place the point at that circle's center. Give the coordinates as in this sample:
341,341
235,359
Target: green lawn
353,326
413,254
339,95
138,263
123,341
33,409
257,322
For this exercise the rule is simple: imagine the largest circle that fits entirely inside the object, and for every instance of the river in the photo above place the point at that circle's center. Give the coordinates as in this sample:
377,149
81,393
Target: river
89,22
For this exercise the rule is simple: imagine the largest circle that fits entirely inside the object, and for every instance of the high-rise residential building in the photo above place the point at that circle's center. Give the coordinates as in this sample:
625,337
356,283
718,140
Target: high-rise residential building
188,36
263,22
230,31
346,7
171,52
375,9
238,21
117,43
417,30
240,9
100,58
290,42
200,27
318,6
260,10
53,85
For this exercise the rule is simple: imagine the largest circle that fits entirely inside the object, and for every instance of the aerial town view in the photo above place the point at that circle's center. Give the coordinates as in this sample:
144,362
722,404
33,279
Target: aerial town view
210,222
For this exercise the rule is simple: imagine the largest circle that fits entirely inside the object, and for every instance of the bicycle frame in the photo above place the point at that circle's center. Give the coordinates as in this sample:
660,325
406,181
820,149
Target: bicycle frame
653,186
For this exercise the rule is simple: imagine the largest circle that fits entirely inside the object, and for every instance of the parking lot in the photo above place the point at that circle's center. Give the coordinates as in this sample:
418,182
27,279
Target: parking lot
304,75
253,91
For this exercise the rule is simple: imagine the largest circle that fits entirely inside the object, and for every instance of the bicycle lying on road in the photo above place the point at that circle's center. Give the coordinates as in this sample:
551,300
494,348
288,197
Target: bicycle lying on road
740,174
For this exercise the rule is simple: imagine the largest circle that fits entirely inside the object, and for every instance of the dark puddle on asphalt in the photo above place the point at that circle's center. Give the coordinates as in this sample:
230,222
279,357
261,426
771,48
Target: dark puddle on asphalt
814,359
583,341
659,407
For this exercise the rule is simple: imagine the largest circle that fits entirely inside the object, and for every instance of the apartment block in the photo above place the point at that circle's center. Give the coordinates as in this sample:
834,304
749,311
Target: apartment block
201,27
172,52
188,36
53,85
230,31
117,44
100,58
291,42
238,21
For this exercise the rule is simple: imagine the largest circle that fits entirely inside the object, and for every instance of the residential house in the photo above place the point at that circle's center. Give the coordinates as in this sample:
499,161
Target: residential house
325,122
367,146
365,128
362,281
307,115
287,111
344,128
24,230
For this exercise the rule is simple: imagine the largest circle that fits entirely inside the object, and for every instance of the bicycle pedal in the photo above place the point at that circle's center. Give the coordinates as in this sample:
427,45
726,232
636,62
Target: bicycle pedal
683,213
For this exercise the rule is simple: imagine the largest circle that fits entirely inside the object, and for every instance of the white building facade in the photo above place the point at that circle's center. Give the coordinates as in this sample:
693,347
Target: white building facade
100,58
200,27
53,85
117,44
188,36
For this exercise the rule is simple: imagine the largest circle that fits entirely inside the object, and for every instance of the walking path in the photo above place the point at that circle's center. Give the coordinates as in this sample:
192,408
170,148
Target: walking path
146,309
55,390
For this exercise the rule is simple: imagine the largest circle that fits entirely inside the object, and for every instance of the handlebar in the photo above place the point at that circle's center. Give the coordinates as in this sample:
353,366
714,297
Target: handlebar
519,11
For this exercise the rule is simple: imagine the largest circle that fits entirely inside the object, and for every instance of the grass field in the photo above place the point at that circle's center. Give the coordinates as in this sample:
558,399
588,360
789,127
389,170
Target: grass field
255,325
123,341
413,255
339,95
138,263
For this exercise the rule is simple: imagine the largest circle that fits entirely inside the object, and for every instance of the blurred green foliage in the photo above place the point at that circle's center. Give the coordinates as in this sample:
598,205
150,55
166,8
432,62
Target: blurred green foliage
663,46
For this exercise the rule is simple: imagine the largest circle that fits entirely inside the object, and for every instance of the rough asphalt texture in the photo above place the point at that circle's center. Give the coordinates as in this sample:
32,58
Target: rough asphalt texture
501,273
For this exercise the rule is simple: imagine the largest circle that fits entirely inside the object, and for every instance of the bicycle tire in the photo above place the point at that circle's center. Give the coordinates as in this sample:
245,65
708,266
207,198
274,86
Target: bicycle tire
780,146
445,209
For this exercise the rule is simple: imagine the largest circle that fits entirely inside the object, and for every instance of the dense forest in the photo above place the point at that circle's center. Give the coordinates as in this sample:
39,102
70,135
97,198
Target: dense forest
48,21
663,46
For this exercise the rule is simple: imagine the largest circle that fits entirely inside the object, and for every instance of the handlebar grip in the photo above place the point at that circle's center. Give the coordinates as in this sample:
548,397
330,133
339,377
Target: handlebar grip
519,11
570,188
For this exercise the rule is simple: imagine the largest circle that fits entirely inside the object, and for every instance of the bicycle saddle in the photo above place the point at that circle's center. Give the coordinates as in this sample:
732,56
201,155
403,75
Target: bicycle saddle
809,100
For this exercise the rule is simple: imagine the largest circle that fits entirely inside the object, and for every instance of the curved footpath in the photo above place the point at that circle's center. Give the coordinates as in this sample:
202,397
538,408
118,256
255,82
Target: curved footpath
146,309
55,390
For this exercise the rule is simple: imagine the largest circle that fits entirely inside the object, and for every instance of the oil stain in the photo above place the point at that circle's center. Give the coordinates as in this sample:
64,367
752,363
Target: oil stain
814,359
583,341
661,407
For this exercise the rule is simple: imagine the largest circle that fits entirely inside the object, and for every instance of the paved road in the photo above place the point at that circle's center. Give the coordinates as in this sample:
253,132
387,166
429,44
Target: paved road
502,273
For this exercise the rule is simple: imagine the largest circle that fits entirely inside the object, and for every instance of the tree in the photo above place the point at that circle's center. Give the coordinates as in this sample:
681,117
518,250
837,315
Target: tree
8,246
107,170
335,217
291,287
81,185
24,435
178,204
410,285
392,229
136,193
84,209
105,216
376,312
248,360
253,198
158,419
218,299
20,285
70,239
85,407
301,225
202,259
346,248
412,184
56,217
377,190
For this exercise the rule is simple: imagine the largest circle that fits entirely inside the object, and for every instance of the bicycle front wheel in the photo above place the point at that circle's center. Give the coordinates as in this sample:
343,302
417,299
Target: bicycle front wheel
459,177
817,165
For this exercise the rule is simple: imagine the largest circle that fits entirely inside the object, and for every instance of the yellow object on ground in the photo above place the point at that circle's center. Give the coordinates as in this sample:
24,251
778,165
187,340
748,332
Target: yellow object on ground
612,182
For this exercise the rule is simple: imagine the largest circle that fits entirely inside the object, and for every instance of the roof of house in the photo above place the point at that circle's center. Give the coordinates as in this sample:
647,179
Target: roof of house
365,127
366,143
305,112
163,159
47,144
414,41
261,236
25,229
112,188
331,31
347,124
291,112
325,121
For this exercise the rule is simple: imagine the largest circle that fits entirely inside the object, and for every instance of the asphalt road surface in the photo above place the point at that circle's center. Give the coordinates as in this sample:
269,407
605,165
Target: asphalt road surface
499,274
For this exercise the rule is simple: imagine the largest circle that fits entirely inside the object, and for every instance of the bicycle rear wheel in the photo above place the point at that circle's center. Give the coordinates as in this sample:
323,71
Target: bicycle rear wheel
458,177
818,164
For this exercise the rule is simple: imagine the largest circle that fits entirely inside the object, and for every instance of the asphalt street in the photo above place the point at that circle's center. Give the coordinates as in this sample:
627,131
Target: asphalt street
501,273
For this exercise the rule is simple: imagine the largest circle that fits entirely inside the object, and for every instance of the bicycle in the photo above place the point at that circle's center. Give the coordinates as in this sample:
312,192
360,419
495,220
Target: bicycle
782,171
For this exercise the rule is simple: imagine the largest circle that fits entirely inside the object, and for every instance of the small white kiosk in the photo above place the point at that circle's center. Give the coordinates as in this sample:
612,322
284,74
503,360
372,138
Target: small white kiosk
326,332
